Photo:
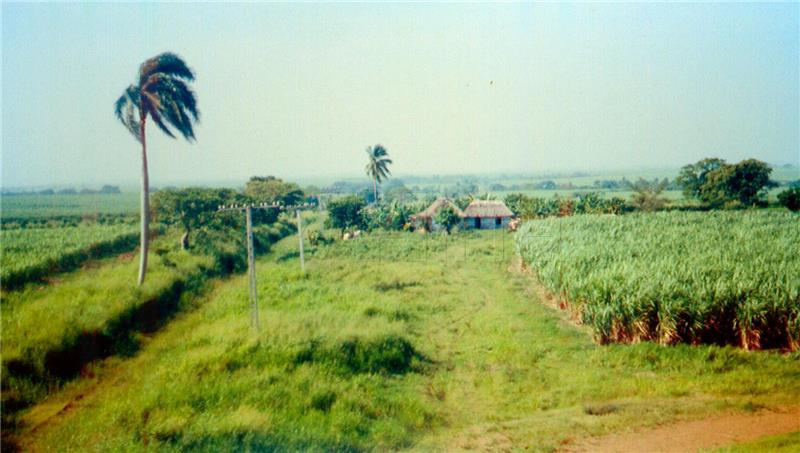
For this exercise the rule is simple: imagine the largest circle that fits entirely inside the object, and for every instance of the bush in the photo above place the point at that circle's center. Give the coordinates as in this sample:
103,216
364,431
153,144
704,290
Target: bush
345,213
790,199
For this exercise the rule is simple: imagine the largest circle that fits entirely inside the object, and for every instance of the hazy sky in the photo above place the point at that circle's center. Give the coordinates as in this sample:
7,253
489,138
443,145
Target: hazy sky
301,90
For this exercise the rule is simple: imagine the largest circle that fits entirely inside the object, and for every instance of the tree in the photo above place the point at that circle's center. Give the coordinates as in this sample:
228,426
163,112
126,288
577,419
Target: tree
749,181
189,208
447,217
377,166
790,198
345,213
745,182
161,93
692,177
270,189
647,194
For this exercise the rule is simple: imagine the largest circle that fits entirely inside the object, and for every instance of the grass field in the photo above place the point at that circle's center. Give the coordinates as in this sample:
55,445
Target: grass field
406,347
32,253
717,277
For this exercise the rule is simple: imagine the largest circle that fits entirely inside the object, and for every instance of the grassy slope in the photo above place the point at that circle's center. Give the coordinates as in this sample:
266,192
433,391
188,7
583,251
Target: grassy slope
90,307
492,366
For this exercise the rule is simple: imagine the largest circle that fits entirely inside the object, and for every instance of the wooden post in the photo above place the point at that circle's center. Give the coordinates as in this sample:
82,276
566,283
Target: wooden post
300,234
251,267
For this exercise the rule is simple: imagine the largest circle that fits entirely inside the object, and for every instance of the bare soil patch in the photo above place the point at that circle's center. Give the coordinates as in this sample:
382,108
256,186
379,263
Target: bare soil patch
689,436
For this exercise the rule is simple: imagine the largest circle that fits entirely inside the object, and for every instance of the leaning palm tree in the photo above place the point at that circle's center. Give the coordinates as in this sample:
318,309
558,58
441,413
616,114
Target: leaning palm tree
378,166
161,92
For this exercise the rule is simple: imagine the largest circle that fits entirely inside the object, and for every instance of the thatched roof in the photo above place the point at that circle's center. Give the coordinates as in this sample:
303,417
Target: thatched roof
486,208
431,211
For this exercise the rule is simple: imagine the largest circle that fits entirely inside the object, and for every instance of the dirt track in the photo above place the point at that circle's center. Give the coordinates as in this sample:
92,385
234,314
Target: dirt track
690,436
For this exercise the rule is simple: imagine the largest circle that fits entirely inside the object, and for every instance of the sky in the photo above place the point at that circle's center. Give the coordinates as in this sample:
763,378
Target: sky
300,90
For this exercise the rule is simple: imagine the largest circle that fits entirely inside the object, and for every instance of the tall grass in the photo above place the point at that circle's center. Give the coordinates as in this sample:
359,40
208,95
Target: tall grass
717,277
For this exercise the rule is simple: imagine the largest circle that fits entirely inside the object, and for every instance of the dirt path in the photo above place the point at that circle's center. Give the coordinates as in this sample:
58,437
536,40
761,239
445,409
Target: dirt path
717,431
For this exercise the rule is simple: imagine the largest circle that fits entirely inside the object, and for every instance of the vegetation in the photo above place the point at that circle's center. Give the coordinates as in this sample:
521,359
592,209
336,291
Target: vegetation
387,216
527,207
377,167
345,213
790,199
270,189
162,94
447,217
718,183
723,278
29,254
403,353
647,195
38,210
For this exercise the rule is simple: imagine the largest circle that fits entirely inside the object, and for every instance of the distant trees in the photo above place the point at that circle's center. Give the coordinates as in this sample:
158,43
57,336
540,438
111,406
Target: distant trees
718,183
693,177
790,199
161,93
400,194
377,166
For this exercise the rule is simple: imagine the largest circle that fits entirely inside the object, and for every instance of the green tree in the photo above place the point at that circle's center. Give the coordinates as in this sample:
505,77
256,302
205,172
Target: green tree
270,189
447,217
790,198
692,177
745,183
189,208
345,213
377,166
161,93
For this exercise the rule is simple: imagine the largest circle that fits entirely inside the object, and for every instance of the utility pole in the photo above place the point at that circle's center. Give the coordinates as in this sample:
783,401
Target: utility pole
251,267
251,262
300,234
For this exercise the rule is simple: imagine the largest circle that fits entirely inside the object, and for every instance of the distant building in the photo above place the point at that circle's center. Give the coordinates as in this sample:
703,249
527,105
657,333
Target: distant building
427,218
487,215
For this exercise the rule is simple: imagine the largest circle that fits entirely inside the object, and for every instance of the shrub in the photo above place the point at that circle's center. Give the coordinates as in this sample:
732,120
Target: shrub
345,213
790,199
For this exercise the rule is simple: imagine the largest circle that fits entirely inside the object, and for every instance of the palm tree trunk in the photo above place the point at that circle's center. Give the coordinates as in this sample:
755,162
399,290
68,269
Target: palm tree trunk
145,214
375,190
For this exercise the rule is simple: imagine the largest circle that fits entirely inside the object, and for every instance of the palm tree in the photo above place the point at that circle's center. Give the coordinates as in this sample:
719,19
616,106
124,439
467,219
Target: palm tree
161,93
378,166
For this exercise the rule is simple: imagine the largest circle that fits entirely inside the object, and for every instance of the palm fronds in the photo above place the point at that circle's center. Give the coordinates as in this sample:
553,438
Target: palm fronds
162,93
378,165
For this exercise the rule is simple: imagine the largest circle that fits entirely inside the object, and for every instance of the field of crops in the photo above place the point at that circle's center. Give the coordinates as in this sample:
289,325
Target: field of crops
48,206
31,253
717,277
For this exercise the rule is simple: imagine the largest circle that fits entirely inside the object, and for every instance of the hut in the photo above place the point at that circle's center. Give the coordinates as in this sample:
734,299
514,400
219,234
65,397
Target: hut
487,215
427,218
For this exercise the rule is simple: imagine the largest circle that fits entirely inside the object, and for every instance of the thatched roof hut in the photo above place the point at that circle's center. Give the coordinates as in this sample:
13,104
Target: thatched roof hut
487,208
487,214
430,211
